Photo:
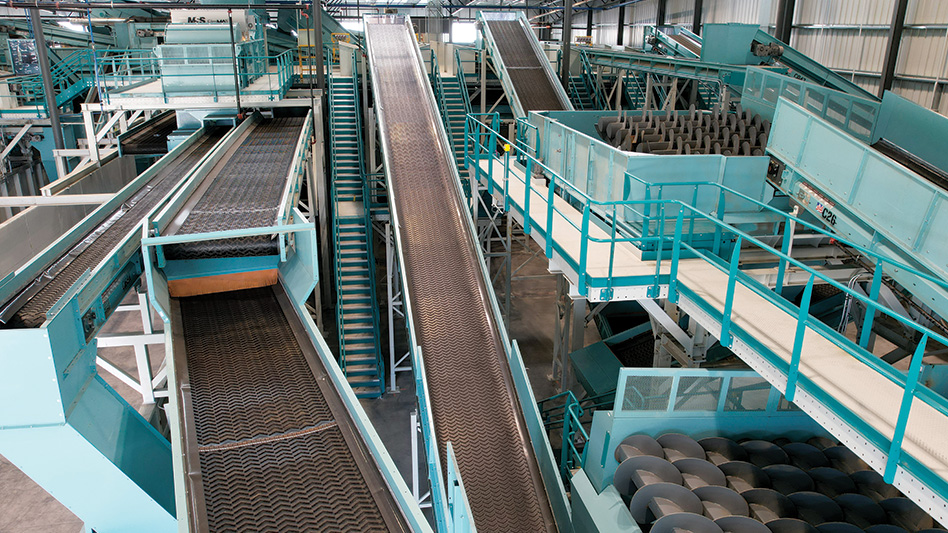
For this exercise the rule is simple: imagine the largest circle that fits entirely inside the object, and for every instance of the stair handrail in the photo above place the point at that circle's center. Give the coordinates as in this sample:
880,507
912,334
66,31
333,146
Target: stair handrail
462,80
367,218
599,99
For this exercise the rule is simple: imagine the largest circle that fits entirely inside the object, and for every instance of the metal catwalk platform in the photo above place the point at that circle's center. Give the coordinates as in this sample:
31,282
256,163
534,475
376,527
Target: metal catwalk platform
29,307
472,395
524,69
270,446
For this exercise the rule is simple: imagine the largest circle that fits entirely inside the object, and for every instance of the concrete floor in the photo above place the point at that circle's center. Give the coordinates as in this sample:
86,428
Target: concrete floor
26,508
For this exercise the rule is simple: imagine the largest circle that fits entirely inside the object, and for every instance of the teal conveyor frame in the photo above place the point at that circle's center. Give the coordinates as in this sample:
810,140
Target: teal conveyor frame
867,198
73,434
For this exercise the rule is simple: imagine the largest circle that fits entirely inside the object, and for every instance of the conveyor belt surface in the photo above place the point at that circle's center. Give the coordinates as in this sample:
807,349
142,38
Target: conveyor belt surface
96,245
277,448
527,71
685,41
472,396
246,193
153,137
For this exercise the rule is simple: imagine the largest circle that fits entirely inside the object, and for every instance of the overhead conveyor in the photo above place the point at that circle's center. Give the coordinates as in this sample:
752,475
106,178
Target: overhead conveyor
471,386
522,66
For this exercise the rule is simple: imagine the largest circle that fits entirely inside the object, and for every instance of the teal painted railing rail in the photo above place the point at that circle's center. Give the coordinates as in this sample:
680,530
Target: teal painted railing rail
483,142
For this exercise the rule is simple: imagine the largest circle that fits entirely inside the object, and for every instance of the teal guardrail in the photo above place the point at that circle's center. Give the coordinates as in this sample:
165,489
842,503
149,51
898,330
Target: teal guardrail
484,142
180,76
764,88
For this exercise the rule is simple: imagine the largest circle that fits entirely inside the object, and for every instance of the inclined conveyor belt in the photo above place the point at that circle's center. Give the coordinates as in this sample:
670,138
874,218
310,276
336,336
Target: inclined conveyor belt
471,393
152,137
527,70
687,42
245,193
32,303
277,448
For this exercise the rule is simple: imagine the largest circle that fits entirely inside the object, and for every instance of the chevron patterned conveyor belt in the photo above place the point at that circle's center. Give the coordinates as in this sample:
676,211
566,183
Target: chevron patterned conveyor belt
245,194
527,71
473,400
685,41
95,245
153,137
277,448
716,485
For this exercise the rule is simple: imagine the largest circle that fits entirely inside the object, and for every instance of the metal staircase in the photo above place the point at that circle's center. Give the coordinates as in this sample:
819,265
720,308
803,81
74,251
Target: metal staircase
357,315
71,77
456,106
580,94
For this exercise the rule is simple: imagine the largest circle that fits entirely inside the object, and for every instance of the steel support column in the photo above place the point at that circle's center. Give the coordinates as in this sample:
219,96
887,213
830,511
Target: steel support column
49,92
620,29
318,34
589,23
698,14
892,47
785,19
660,15
567,37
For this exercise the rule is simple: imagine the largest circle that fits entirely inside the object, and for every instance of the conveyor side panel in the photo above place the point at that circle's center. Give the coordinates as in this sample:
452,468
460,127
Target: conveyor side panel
472,396
100,241
277,448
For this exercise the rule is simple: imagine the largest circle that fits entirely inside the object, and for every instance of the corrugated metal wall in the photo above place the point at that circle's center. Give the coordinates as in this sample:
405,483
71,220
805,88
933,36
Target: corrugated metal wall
849,36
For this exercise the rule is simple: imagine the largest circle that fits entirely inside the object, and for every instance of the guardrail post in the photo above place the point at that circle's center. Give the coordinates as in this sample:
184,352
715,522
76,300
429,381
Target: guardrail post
864,336
564,451
729,298
656,287
583,249
528,189
719,228
549,219
676,255
794,372
782,264
911,383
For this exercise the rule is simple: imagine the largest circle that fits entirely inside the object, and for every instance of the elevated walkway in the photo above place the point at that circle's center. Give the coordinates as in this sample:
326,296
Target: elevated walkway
887,417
